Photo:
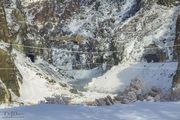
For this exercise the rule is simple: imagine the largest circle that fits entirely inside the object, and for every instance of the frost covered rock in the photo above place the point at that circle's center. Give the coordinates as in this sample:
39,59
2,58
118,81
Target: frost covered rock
176,82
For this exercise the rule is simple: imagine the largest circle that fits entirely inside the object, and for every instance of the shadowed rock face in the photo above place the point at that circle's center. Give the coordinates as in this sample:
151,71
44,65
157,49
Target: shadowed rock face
9,75
4,94
3,24
168,2
32,57
151,58
176,84
177,42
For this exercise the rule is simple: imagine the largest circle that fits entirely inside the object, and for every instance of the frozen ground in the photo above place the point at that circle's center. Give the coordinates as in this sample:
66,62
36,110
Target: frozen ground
137,111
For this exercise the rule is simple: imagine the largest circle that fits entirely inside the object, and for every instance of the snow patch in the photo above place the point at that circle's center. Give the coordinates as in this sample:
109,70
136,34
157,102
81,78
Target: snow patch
158,75
137,111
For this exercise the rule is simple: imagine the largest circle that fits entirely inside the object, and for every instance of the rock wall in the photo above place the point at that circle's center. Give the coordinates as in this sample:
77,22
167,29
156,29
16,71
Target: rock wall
168,2
4,34
176,82
9,75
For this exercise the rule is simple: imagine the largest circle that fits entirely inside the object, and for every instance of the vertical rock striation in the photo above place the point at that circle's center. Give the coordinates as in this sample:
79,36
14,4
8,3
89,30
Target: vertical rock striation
176,82
9,75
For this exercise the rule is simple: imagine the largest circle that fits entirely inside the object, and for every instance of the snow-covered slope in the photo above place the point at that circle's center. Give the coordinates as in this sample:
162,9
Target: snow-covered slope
137,111
37,84
42,80
157,75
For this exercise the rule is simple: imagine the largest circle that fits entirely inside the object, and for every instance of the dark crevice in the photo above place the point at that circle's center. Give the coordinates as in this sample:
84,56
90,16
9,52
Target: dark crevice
32,57
152,58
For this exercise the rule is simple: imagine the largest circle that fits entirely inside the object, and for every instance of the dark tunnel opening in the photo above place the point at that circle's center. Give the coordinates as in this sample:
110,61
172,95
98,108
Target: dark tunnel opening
32,57
152,58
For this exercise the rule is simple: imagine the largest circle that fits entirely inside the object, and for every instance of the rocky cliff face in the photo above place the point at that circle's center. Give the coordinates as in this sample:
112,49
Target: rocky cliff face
83,35
168,2
10,77
53,25
176,89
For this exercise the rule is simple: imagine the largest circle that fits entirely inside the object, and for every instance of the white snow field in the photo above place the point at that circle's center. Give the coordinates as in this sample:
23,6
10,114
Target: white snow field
119,77
137,111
